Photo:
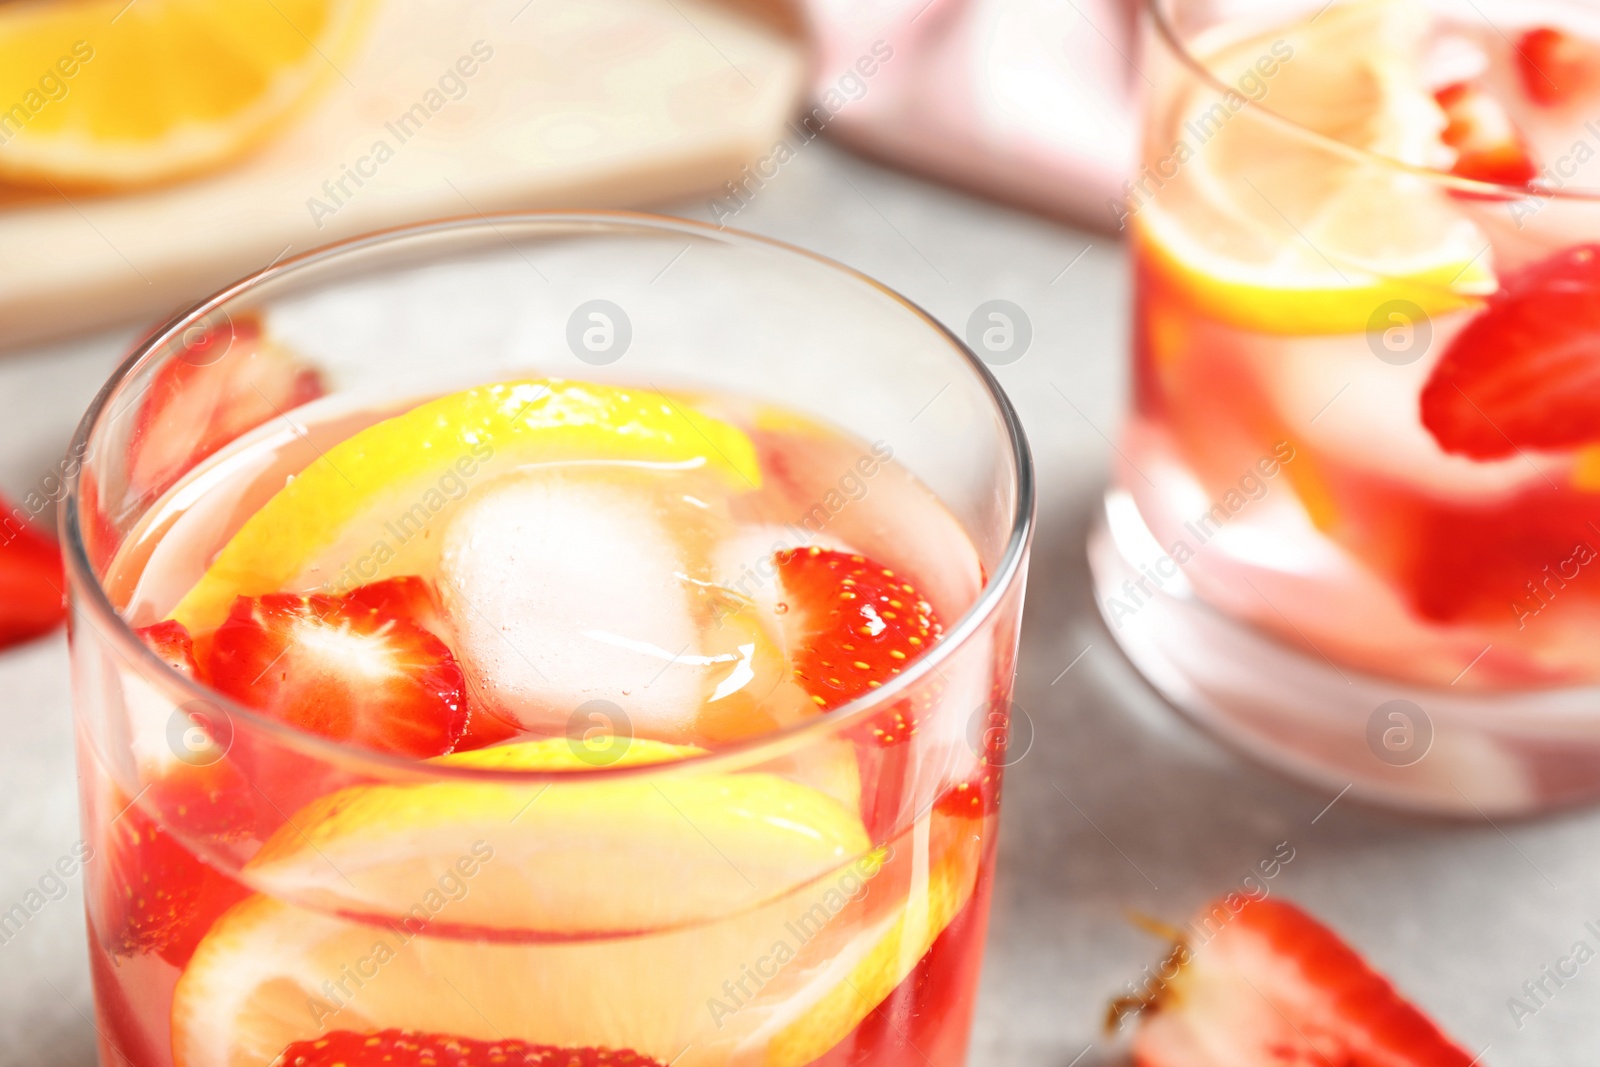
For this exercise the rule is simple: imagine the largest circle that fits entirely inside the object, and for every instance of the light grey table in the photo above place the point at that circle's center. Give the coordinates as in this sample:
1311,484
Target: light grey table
1118,805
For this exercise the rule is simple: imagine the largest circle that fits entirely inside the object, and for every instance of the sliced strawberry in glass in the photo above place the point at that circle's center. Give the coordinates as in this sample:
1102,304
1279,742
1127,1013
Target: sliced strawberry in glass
407,1048
409,597
1271,987
171,641
1557,68
1496,562
483,729
207,792
1489,146
415,598
1525,372
229,381
32,588
158,897
856,624
851,625
350,668
975,797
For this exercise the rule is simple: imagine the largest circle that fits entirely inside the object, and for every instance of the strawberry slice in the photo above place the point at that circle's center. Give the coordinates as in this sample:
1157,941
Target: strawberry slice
158,896
32,586
1556,67
1525,373
351,668
171,641
408,1048
415,598
1273,987
228,794
1475,560
228,381
411,597
851,624
858,625
1489,147
483,729
974,798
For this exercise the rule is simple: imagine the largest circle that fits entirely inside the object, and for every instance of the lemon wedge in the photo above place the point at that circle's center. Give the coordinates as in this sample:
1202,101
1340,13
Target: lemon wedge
1269,229
364,509
107,92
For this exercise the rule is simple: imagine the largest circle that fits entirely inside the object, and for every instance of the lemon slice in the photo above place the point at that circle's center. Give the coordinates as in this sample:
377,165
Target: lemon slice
778,985
1266,229
955,847
459,874
682,849
108,92
365,509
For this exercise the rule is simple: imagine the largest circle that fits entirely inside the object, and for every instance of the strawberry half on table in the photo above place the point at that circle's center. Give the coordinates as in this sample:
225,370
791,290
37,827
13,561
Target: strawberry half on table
360,668
32,587
1275,988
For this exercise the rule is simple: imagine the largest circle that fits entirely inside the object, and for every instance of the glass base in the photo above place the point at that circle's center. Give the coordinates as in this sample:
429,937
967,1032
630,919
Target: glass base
1387,742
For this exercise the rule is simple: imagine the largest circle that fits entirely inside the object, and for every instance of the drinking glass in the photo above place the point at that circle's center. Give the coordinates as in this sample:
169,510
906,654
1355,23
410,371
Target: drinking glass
1350,525
525,909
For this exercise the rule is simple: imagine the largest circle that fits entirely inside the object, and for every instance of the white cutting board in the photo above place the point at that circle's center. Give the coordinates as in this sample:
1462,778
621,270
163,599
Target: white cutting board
583,103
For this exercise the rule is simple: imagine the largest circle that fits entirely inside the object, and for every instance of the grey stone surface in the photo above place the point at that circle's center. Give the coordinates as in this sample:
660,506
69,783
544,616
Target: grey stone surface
1120,805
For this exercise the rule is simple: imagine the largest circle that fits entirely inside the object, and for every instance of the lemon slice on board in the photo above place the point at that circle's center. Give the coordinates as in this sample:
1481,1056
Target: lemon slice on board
107,92
779,982
373,498
1266,229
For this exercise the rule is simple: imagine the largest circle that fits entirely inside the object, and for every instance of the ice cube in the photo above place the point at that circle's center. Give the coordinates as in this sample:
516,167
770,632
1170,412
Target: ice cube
1342,401
568,587
1451,58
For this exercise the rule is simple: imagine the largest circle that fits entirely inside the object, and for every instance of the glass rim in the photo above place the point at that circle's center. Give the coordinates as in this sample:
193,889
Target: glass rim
92,603
1538,189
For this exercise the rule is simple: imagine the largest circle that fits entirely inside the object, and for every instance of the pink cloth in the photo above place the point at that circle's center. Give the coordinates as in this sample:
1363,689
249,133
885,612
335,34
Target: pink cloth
1027,100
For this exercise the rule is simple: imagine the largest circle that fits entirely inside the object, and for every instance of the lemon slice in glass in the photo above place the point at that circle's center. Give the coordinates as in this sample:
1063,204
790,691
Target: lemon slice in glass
374,498
675,850
1302,220
481,904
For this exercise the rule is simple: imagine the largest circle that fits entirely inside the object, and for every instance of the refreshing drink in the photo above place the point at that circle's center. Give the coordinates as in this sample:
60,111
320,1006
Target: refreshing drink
1358,502
528,719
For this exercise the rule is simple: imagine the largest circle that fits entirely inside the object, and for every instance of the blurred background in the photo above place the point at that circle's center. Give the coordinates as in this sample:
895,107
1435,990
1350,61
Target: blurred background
191,144
963,152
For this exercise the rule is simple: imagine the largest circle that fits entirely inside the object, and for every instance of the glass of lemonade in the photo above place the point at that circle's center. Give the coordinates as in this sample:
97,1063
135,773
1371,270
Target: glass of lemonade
1358,498
565,639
